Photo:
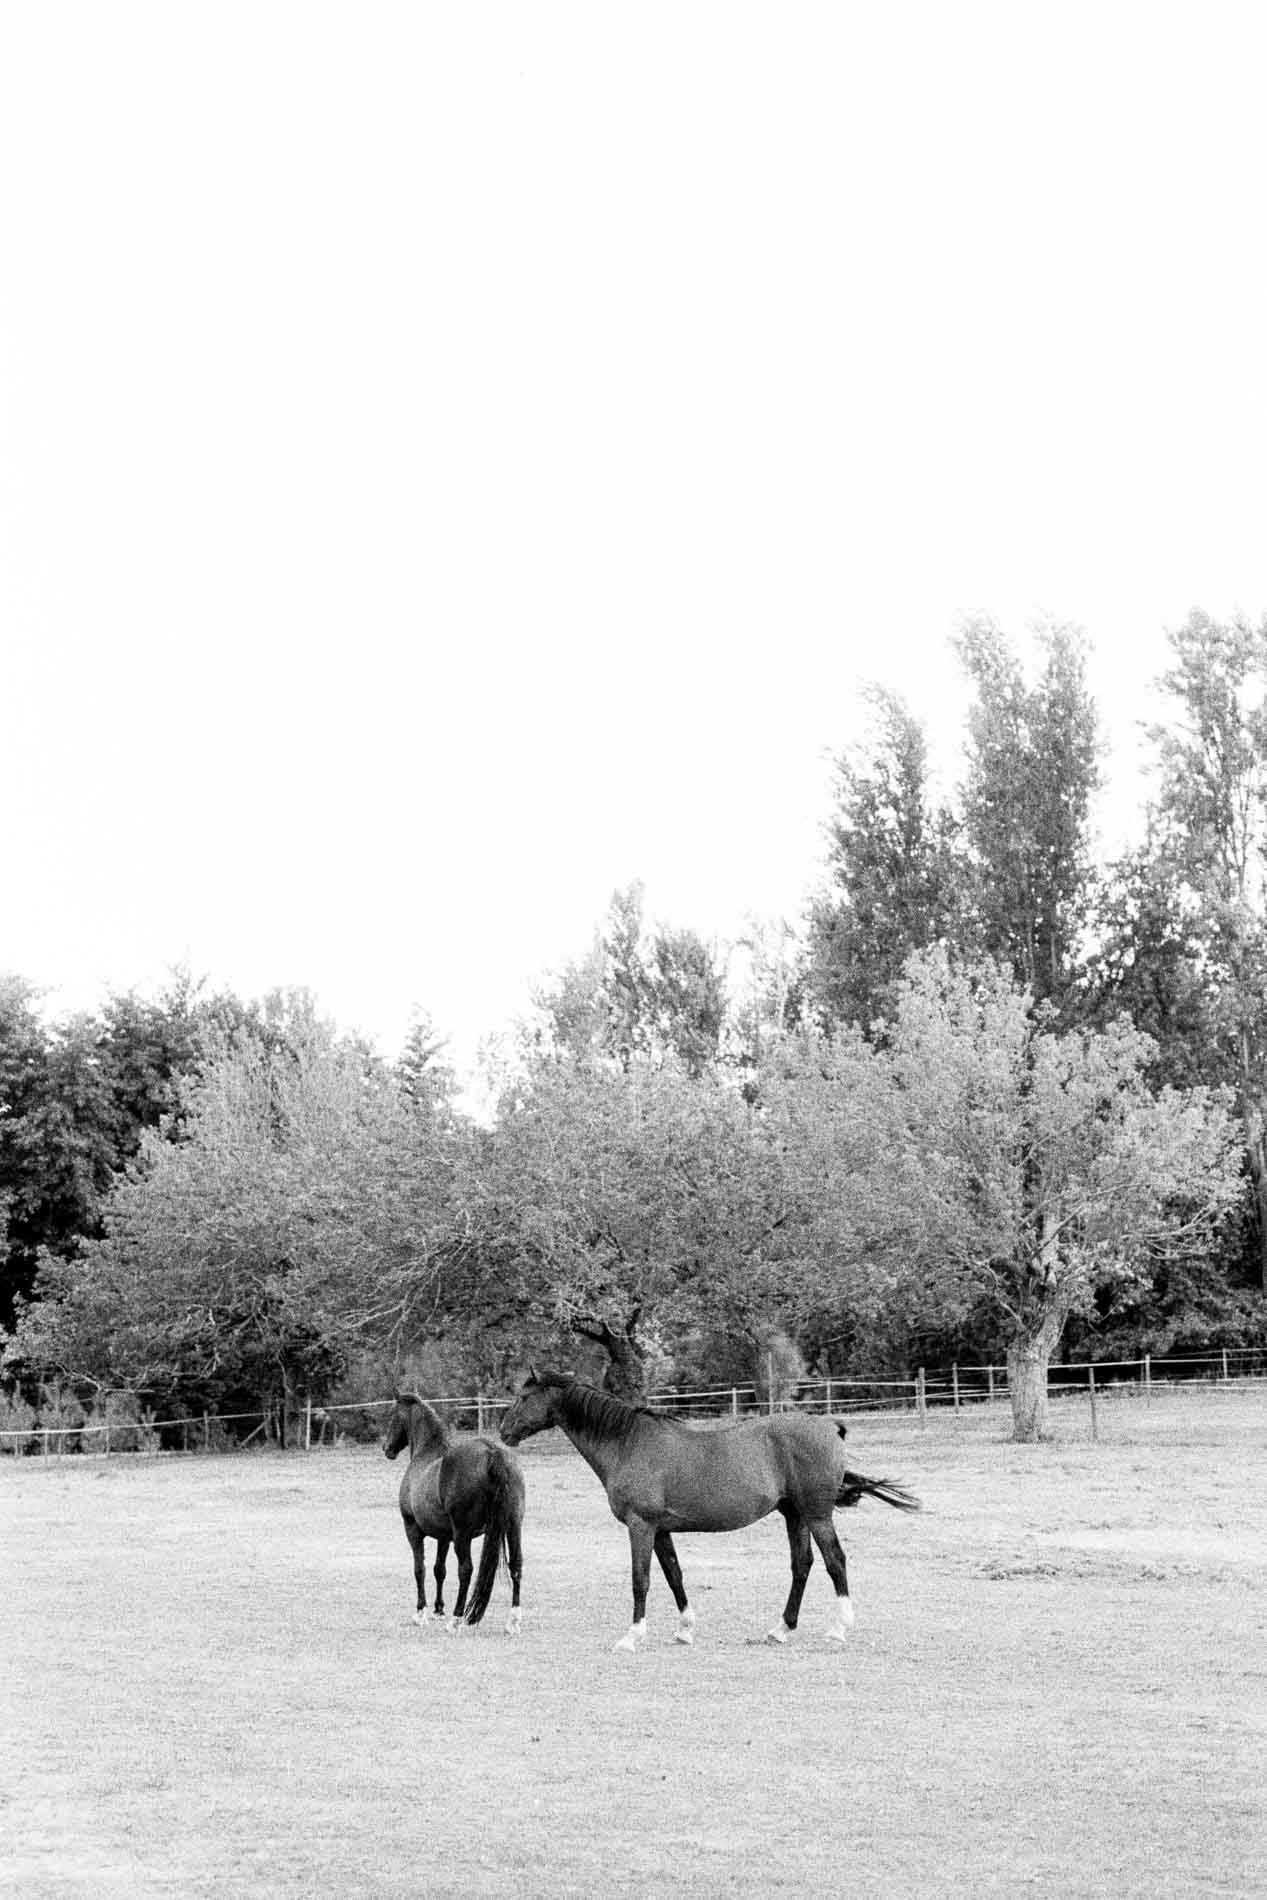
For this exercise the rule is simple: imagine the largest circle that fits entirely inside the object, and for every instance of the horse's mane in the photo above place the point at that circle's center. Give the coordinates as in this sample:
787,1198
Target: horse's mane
414,1398
611,1420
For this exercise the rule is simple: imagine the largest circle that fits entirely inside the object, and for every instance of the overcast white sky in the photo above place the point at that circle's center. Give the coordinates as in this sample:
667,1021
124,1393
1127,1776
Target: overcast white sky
457,459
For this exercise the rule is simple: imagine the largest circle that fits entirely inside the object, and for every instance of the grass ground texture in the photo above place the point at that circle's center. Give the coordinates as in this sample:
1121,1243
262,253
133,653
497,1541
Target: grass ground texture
1057,1682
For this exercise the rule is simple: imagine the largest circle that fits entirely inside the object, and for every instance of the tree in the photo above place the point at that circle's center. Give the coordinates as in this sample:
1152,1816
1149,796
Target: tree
1148,964
1039,1170
639,993
622,1203
891,866
1212,843
305,1210
76,1097
59,1135
422,1070
1032,773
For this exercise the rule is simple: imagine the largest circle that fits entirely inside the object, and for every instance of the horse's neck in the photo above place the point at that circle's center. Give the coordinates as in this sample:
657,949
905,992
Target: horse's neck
600,1453
427,1431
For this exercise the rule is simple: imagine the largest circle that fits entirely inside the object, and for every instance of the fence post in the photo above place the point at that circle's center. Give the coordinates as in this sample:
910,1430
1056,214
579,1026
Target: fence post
308,1422
206,1433
920,1406
1095,1429
44,1443
769,1374
954,1383
829,1406
1225,1363
989,1382
1148,1378
479,1411
734,1401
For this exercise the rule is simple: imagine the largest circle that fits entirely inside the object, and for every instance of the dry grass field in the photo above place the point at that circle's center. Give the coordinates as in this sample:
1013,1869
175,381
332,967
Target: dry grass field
1057,1683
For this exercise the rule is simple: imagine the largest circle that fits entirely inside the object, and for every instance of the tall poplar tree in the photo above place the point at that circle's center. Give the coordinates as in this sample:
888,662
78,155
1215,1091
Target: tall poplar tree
892,886
1212,847
1032,774
638,993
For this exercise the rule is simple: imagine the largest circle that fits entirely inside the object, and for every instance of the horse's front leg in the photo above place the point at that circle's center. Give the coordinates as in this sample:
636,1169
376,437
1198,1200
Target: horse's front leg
802,1553
641,1544
417,1544
829,1546
673,1577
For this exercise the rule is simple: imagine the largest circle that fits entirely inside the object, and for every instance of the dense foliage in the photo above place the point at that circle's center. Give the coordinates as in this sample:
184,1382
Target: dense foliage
993,1097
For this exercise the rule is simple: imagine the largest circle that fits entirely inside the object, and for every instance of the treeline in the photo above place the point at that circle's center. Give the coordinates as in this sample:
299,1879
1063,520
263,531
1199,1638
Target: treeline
991,1093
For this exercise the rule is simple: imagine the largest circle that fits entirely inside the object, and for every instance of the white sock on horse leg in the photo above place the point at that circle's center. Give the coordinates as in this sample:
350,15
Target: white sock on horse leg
840,1629
779,1634
634,1636
686,1626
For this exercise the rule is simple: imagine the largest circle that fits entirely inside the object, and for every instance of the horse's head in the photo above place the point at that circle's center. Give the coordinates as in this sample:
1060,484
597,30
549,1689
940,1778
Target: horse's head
415,1423
396,1437
534,1409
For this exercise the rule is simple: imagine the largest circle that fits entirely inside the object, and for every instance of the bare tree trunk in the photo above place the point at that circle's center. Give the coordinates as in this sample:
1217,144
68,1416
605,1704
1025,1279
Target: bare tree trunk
625,1375
1029,1356
1256,1147
285,1407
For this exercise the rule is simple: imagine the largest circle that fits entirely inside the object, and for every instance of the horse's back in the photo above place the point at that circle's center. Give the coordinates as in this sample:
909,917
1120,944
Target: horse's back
787,1437
722,1478
469,1476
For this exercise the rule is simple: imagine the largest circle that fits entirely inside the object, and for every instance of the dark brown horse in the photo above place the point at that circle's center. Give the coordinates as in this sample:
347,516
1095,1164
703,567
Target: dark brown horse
662,1476
457,1487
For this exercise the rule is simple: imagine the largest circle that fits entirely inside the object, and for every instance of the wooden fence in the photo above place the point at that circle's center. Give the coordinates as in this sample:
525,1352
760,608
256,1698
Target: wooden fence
955,1387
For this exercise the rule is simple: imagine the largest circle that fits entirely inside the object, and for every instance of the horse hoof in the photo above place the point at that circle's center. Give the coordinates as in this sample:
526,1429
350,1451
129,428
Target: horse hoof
514,1623
686,1627
421,1619
779,1634
633,1639
686,1637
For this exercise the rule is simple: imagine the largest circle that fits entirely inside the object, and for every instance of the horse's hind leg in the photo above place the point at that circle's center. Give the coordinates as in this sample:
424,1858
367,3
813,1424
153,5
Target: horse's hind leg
462,1544
673,1577
515,1564
441,1565
829,1545
802,1552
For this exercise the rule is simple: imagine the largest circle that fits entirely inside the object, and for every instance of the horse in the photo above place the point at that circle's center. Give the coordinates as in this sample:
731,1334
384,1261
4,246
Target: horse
457,1487
662,1476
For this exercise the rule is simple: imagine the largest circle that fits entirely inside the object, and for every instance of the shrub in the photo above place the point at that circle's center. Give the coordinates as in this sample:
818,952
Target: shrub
62,1416
131,1424
17,1424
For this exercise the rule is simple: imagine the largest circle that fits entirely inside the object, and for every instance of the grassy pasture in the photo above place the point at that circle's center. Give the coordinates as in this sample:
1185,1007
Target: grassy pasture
1057,1682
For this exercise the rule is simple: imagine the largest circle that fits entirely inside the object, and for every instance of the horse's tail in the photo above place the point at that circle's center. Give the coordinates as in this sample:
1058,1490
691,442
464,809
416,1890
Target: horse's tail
501,1527
853,1487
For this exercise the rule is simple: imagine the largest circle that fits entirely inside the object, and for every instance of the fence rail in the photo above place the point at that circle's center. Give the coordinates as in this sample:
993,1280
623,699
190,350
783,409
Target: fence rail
954,1386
